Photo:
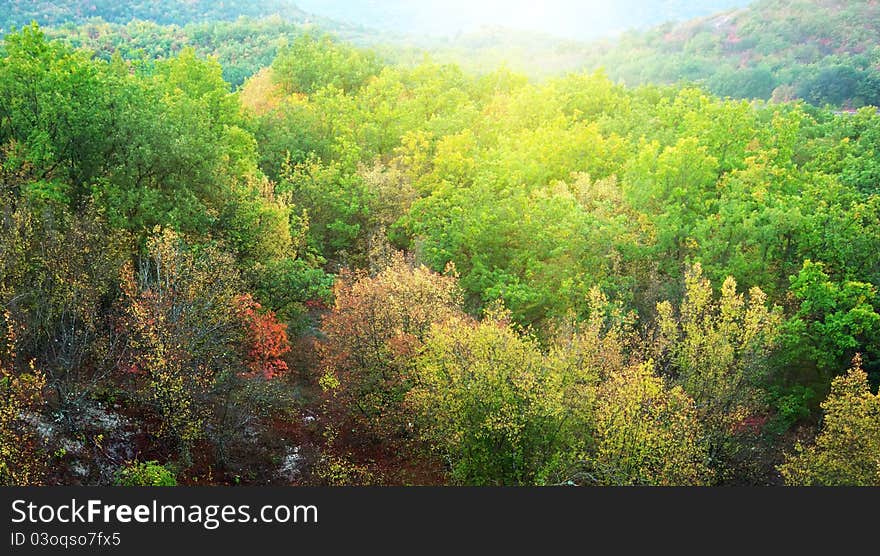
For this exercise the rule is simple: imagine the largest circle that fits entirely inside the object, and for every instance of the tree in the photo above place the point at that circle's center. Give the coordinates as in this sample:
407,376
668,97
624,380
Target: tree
718,352
834,320
59,274
311,63
377,324
266,339
831,85
646,433
592,349
287,286
56,113
180,316
847,450
676,184
21,463
489,402
758,82
336,202
626,424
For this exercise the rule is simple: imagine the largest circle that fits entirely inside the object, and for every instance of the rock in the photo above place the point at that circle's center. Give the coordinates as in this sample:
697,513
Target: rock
291,465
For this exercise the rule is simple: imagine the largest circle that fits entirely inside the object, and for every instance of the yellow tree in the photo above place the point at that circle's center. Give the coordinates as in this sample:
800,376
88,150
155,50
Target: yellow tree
717,350
646,433
181,317
20,394
627,425
847,449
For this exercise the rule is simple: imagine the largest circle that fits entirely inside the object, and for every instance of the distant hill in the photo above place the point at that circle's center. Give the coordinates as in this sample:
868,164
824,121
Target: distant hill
823,51
21,12
574,20
242,46
246,35
562,18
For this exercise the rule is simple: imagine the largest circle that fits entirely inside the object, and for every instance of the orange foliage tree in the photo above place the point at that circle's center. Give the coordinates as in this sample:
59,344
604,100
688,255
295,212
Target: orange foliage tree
266,340
375,328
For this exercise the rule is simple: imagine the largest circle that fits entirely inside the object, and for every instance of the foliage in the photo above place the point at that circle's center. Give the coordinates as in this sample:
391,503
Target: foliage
833,320
310,64
301,280
21,463
145,473
59,272
180,318
846,450
377,325
718,352
647,433
266,341
489,402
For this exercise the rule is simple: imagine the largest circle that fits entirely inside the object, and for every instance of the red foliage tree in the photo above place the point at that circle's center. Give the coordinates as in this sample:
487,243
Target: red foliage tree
266,340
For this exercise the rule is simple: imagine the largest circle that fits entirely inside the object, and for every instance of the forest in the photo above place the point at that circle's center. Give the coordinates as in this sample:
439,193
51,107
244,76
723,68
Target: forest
334,268
825,52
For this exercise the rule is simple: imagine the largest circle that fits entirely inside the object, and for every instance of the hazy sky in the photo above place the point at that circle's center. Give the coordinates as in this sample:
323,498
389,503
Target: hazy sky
568,18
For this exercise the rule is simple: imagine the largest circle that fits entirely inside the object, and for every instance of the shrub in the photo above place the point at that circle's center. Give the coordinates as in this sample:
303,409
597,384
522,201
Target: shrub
146,473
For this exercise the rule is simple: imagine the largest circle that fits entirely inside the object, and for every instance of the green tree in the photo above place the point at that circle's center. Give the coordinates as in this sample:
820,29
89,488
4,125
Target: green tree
834,320
489,402
311,63
57,118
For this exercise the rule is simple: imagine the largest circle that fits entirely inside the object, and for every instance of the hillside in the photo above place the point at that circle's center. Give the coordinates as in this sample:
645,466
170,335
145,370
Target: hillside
414,18
823,51
356,272
367,266
22,12
245,36
560,18
242,46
